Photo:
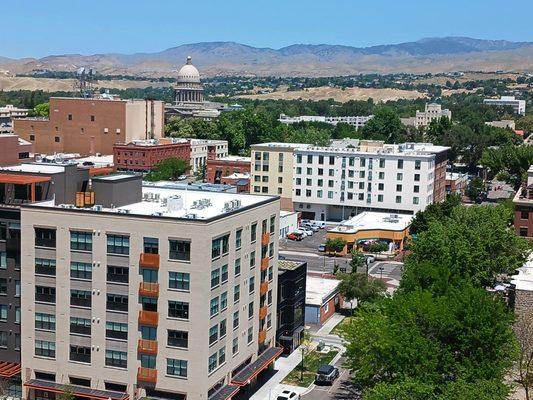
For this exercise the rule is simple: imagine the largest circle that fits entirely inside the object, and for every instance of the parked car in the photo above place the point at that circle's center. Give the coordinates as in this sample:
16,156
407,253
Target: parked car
301,232
314,228
305,221
288,395
320,224
369,259
322,247
326,374
308,231
294,236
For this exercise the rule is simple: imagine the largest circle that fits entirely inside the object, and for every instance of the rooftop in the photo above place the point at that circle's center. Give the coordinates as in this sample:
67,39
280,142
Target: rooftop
318,289
179,203
235,158
288,265
35,168
524,279
374,220
207,187
378,148
282,145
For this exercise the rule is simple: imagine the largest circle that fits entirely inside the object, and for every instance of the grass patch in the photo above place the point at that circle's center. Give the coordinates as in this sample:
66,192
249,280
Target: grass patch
312,361
341,325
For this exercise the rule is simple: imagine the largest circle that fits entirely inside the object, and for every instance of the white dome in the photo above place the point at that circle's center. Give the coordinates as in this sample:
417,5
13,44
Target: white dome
188,73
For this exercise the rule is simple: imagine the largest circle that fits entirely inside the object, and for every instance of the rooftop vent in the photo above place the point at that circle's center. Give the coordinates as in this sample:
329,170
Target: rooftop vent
174,203
232,205
201,204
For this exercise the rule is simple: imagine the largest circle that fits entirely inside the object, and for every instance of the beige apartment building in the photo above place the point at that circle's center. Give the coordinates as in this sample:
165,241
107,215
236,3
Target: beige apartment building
169,295
273,170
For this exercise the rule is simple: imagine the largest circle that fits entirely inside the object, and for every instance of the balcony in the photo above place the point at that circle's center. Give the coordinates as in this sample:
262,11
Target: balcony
145,346
147,375
264,264
265,238
149,289
148,260
263,288
262,336
263,312
148,318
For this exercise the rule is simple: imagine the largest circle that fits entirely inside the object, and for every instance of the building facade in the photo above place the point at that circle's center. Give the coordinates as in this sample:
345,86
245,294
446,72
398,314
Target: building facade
219,168
144,155
14,150
93,125
523,207
518,106
10,112
138,305
356,121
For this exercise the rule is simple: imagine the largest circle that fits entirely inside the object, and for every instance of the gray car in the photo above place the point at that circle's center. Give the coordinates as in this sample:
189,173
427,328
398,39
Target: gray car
326,374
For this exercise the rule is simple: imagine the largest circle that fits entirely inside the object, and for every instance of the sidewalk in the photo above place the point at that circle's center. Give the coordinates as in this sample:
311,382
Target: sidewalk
329,325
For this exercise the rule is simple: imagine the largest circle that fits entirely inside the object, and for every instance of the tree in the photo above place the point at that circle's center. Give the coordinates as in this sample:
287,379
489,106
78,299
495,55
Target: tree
169,169
66,394
476,189
42,110
385,125
434,212
358,260
513,160
335,245
523,328
406,390
377,247
361,287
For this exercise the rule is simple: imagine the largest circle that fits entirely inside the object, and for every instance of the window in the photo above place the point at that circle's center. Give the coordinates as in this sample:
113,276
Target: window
416,189
381,186
223,301
179,250
523,231
221,356
212,363
45,349
224,273
45,237
118,244
250,335
117,274
238,239
236,293
236,319
179,280
213,334
214,306
151,245
269,320
215,278
17,341
272,224
253,232
176,367
252,259
92,118
381,175
381,163
17,315
70,117
380,198
524,214
81,240
80,270
220,246
3,339
80,325
417,164
251,285
331,160
330,194
237,267
3,260
80,353
80,298
117,302
178,339
251,309
400,164
114,358
222,328
45,266
415,200
57,139
399,176
32,138
45,321
3,285
398,188
417,177
398,199
362,162
178,309
235,346
45,294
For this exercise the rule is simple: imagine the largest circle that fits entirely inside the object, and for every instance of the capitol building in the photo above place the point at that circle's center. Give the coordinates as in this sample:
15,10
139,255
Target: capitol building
189,96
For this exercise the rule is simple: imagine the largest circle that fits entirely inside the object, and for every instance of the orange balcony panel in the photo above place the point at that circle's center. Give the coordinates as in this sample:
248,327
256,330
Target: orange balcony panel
263,312
147,375
265,238
147,346
148,260
263,289
149,289
262,336
149,318
264,264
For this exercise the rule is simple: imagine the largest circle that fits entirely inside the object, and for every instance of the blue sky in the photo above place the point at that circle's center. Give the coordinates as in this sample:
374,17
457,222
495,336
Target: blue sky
36,28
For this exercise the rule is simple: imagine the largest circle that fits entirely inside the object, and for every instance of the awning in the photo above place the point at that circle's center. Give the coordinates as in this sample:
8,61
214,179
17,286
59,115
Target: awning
80,391
249,372
224,393
19,179
9,369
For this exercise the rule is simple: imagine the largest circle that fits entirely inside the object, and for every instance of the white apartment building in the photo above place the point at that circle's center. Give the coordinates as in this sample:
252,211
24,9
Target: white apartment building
171,295
202,149
9,111
357,121
518,106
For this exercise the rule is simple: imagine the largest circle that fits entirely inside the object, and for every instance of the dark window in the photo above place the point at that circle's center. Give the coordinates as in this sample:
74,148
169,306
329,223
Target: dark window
179,280
45,237
117,302
45,294
176,367
117,274
70,117
80,381
80,270
92,118
179,250
118,359
45,349
116,330
45,266
57,139
32,137
118,244
81,240
45,321
524,214
80,353
80,298
80,326
178,339
178,309
3,285
253,232
523,231
220,246
151,245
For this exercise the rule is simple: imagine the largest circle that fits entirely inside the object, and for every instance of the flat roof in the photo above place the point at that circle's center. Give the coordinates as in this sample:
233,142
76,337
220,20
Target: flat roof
106,160
115,177
374,221
179,203
319,289
40,168
17,179
524,279
288,265
234,158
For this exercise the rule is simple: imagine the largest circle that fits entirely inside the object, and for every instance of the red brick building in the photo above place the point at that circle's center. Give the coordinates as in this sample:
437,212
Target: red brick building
90,126
142,156
14,150
523,204
218,169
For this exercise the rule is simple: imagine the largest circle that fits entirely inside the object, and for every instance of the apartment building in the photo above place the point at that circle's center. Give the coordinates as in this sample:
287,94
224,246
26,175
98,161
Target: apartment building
170,295
220,168
203,150
523,207
356,121
9,112
518,106
272,170
143,155
334,183
14,149
91,125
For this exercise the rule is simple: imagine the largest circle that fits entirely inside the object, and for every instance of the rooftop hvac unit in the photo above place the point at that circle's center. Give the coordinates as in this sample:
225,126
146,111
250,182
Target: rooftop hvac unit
174,203
97,207
191,216
67,206
157,214
123,211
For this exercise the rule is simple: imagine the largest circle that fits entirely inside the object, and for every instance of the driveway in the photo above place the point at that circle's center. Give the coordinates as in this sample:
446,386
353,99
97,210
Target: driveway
342,388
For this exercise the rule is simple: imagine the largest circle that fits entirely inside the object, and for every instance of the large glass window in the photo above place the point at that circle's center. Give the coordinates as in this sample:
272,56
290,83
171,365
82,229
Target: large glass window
80,298
178,309
80,325
116,330
80,270
45,266
45,294
115,358
117,302
45,237
151,245
176,367
179,250
179,280
178,338
81,240
214,306
44,348
118,244
220,246
45,321
80,353
215,278
117,274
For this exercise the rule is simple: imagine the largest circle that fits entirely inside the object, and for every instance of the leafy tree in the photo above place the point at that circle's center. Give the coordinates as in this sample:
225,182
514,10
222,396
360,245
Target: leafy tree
525,123
434,212
335,245
493,389
513,160
377,247
169,169
385,125
358,260
476,189
361,287
405,390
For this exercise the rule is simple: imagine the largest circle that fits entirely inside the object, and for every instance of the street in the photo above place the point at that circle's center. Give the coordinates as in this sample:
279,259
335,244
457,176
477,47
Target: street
342,388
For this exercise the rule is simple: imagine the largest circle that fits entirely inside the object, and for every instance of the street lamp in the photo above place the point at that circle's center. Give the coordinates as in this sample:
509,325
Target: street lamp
381,272
303,348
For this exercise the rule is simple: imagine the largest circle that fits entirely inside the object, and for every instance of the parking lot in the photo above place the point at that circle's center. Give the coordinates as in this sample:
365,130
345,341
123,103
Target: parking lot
342,388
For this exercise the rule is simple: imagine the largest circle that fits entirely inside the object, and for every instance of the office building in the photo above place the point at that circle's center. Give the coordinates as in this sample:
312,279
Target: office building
432,112
523,207
14,150
10,112
164,293
218,170
356,121
91,125
291,303
518,106
204,149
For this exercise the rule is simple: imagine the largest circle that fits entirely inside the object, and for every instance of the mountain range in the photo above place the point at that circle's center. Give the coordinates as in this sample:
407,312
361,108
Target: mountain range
230,58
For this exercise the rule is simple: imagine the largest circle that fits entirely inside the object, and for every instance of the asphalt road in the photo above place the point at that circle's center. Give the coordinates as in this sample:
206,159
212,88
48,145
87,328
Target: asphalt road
341,389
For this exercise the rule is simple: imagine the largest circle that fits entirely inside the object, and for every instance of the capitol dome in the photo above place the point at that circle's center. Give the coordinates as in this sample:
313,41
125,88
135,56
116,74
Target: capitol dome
188,73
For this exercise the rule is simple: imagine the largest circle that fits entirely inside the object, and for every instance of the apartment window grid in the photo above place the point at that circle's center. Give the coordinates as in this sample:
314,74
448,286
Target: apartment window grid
176,367
116,330
118,244
80,240
45,322
178,309
118,359
179,280
178,339
45,348
80,325
179,250
45,237
81,270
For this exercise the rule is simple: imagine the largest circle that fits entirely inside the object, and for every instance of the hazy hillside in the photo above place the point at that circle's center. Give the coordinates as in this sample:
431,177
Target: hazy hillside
229,58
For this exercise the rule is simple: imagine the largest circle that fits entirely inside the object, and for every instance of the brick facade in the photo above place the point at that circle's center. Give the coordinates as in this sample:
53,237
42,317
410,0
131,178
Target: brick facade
136,157
217,169
13,151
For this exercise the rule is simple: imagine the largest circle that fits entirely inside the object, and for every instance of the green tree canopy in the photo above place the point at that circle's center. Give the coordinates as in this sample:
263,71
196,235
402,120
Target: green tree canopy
169,169
361,287
385,125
